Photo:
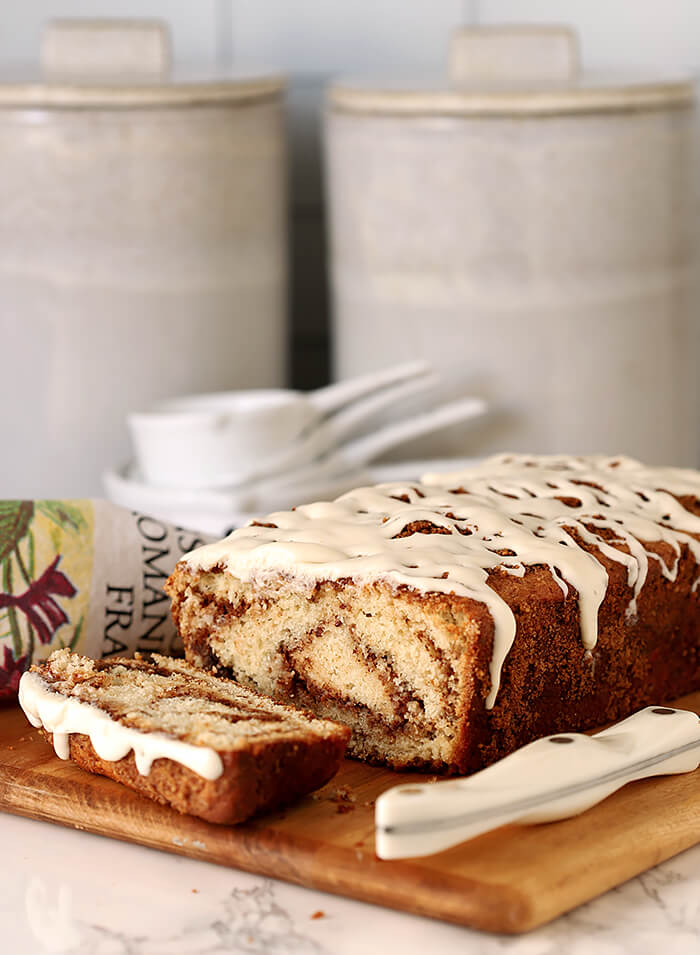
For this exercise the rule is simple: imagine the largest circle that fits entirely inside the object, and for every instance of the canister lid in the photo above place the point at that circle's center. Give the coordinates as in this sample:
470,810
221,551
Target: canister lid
122,63
505,71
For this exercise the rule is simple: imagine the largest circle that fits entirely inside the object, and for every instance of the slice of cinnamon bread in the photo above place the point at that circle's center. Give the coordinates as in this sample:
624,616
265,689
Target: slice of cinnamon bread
451,621
199,743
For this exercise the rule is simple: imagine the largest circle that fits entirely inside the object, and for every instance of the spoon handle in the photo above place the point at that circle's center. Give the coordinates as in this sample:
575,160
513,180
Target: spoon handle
332,397
357,417
364,449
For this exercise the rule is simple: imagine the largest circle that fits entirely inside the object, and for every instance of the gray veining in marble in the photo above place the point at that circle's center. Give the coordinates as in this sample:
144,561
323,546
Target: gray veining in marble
72,893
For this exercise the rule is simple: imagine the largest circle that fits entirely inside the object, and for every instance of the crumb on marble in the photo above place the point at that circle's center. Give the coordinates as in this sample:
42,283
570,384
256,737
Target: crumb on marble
320,914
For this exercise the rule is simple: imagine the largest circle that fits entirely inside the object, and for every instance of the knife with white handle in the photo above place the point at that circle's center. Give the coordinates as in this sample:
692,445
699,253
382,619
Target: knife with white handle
553,778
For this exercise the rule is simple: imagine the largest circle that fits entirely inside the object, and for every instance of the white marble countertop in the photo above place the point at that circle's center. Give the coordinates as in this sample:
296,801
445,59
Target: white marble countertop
72,892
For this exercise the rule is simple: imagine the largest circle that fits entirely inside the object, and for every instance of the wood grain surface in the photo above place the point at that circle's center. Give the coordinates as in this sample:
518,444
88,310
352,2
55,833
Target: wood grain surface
510,880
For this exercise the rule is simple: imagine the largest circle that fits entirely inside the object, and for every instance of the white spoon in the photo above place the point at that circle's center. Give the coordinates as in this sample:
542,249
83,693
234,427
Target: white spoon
346,464
340,471
315,449
228,438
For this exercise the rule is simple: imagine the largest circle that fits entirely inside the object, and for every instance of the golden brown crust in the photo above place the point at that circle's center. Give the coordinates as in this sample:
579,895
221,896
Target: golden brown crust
551,683
254,781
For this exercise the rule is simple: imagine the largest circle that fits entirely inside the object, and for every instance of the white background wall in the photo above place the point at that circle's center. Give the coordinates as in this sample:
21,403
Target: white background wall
313,39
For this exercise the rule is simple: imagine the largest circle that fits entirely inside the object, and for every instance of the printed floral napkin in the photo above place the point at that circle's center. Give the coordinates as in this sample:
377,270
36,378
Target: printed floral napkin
83,574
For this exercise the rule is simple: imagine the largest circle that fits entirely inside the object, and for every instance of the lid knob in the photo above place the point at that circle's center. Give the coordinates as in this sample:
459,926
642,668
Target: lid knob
105,47
512,55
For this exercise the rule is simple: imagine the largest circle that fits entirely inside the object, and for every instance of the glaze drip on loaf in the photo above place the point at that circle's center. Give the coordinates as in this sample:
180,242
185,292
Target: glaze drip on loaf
450,533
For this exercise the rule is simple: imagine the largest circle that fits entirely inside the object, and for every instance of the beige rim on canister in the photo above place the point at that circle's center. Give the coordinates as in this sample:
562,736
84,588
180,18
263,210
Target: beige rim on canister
507,71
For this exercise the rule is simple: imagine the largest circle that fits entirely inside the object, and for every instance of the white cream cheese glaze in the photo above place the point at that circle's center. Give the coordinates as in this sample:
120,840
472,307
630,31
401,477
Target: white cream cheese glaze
525,505
62,715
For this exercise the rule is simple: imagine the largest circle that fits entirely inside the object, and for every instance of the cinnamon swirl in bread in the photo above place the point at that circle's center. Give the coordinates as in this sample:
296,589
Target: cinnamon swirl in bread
198,743
449,622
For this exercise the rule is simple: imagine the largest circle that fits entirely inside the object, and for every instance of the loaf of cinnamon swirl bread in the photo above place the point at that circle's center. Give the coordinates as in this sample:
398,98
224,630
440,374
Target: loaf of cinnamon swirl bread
449,622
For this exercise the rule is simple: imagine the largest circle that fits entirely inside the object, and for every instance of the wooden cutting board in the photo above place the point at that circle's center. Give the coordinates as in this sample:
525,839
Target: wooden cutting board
510,880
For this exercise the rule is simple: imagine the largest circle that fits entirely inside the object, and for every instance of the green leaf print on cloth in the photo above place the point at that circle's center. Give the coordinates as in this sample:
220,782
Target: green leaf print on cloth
29,601
15,518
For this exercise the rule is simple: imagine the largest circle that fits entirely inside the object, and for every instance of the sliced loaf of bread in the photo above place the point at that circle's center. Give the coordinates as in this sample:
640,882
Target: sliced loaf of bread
199,743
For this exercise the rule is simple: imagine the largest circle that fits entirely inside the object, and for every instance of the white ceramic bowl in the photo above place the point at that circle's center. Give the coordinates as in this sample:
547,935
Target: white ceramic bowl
219,439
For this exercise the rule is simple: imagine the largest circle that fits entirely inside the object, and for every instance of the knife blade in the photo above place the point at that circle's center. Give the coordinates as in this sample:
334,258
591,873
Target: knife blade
552,778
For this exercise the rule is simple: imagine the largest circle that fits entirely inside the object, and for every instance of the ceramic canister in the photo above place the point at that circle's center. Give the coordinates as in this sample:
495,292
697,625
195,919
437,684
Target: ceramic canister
142,246
528,228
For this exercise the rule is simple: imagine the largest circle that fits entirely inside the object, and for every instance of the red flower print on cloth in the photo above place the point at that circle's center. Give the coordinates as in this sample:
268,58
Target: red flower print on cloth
38,604
10,672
